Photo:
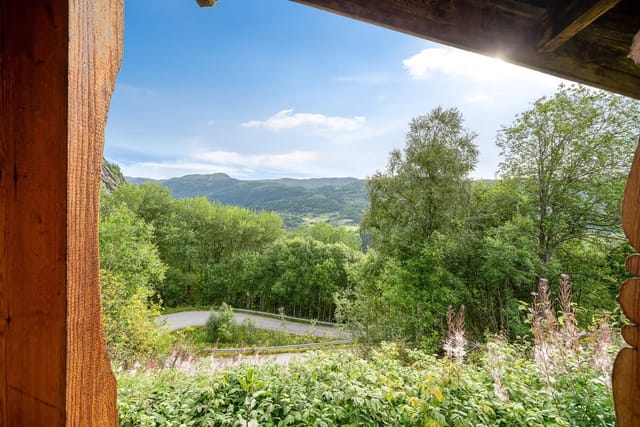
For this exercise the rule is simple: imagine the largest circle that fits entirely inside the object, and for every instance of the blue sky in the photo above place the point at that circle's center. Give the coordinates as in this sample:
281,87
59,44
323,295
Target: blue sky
267,89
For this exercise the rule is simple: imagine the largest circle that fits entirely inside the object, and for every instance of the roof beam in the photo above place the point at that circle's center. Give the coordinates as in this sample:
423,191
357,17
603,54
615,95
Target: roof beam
565,19
478,26
206,3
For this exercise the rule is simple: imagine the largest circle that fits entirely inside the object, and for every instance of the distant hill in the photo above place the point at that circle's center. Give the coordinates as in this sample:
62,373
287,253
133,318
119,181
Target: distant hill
339,201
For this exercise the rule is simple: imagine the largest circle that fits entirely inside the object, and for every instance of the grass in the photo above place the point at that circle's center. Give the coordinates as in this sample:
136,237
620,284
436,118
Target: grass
246,335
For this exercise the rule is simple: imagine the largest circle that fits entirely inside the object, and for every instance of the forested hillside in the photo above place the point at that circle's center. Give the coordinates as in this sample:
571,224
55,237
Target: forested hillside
338,201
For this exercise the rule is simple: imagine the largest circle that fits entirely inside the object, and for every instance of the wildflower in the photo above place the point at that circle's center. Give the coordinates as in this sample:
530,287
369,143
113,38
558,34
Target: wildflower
496,364
455,341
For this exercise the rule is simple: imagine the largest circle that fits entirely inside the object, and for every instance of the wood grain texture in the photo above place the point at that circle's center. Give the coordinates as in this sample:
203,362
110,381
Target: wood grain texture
629,299
33,191
631,203
510,32
630,335
626,373
632,264
58,65
626,388
565,19
95,54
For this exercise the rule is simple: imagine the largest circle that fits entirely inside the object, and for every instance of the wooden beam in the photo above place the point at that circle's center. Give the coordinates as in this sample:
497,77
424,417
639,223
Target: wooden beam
479,27
565,19
626,369
206,3
58,61
95,54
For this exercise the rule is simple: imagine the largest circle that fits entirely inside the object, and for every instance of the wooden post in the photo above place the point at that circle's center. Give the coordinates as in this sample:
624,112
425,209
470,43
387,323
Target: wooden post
58,63
626,375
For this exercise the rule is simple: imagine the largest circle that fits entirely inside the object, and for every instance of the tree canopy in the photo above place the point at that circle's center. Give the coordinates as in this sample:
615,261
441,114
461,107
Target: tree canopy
425,186
570,154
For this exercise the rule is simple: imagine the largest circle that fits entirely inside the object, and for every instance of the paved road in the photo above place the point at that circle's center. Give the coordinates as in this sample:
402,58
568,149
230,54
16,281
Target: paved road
184,319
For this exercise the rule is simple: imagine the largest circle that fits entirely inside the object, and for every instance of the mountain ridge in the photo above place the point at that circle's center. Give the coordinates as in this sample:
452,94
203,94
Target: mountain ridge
336,200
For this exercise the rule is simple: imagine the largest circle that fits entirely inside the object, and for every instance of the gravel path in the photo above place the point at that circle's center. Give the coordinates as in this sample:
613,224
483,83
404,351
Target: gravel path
184,319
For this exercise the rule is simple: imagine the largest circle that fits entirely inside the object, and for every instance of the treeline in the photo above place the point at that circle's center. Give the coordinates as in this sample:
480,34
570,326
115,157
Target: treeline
435,238
214,253
444,240
339,201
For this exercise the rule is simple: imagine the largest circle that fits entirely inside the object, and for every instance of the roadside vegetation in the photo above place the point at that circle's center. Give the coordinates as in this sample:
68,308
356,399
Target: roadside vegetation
560,378
434,247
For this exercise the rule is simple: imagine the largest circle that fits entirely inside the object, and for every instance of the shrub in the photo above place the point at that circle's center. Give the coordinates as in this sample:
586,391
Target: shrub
219,324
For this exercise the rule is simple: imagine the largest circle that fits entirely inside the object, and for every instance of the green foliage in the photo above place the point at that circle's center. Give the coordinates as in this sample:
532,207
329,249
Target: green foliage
149,201
424,188
126,249
570,154
393,387
344,199
194,237
129,326
218,326
328,234
438,238
246,335
296,274
130,272
441,240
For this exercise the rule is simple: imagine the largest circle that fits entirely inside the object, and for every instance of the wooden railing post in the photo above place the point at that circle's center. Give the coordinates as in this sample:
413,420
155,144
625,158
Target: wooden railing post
58,64
626,373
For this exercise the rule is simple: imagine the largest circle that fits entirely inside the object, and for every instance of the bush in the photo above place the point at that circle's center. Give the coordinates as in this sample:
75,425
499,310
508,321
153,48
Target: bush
219,324
393,387
561,378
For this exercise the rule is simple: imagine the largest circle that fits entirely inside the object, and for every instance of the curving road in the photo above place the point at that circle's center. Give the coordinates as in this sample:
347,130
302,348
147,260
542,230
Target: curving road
185,319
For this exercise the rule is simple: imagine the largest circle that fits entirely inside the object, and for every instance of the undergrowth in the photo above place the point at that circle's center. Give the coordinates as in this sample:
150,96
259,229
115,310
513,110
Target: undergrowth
558,378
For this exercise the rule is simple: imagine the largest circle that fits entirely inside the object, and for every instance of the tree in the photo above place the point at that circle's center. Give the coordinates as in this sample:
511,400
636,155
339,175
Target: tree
126,249
295,273
425,187
325,233
150,201
570,154
130,272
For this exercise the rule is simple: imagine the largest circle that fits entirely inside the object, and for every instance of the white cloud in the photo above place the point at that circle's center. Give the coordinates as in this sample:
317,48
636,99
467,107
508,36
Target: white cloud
477,68
230,162
257,160
287,119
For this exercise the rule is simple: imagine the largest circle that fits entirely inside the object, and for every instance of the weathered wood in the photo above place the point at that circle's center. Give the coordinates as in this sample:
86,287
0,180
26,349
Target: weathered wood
565,19
484,28
626,372
613,31
95,54
59,60
513,7
631,203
